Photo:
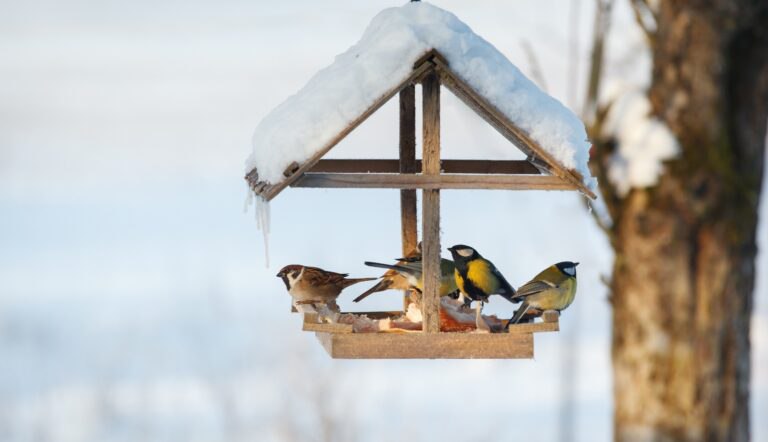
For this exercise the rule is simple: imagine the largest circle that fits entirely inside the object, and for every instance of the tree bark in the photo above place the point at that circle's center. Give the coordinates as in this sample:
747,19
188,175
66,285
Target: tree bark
685,249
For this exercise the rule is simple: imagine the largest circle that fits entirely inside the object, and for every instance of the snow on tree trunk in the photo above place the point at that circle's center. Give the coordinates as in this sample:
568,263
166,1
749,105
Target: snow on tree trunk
685,249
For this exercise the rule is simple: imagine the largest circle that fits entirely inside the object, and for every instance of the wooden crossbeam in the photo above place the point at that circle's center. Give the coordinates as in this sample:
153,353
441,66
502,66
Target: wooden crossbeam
491,167
432,182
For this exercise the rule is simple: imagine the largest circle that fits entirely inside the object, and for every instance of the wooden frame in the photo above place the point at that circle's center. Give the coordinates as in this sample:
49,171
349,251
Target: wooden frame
540,171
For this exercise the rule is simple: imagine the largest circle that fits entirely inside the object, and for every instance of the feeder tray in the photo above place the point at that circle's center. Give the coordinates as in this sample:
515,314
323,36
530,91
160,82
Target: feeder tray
540,171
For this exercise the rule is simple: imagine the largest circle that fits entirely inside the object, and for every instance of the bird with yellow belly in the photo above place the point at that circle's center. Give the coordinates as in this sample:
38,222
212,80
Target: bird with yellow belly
478,279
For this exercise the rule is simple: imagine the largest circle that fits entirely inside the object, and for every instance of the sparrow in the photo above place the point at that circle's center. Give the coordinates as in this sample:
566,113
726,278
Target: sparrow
478,279
552,289
412,273
391,279
313,285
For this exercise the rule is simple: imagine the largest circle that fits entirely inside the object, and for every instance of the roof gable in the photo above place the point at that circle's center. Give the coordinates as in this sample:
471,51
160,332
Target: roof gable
399,47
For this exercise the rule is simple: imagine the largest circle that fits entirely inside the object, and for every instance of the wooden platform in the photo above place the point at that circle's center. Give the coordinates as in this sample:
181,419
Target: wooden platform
341,342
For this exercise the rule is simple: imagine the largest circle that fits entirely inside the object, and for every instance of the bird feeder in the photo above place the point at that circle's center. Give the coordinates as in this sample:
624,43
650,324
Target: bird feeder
540,171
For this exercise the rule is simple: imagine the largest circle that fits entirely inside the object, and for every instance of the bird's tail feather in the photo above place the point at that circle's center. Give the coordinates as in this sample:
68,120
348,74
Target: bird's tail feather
395,267
349,281
518,314
379,287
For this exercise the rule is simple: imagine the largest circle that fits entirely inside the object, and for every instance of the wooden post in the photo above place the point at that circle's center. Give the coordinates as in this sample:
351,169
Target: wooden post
430,228
408,217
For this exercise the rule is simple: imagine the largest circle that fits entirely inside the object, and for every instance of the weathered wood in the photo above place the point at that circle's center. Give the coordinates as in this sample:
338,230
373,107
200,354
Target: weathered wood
407,164
444,181
492,167
272,190
427,345
550,316
535,327
430,227
502,124
311,324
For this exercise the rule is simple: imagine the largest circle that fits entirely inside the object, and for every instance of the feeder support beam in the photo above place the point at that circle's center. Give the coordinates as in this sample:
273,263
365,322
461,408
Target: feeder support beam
430,90
408,216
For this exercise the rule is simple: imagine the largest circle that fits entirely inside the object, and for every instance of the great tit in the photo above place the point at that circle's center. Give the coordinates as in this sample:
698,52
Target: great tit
552,289
412,271
478,278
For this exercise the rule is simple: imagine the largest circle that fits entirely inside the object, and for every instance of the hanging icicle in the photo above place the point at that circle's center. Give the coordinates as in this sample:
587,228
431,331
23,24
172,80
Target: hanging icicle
262,223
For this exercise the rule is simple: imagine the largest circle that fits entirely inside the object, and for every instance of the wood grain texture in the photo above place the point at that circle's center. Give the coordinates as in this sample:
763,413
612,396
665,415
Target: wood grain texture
430,227
428,345
432,182
407,164
478,167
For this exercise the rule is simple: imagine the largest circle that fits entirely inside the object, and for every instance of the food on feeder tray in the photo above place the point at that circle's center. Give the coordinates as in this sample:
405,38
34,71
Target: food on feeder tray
412,272
315,287
478,278
391,279
552,289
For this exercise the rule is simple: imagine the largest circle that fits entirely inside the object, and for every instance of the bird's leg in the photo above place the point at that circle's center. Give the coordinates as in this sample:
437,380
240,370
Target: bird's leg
480,323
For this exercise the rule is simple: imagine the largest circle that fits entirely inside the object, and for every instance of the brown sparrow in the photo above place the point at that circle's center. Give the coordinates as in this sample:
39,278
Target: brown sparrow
312,285
392,279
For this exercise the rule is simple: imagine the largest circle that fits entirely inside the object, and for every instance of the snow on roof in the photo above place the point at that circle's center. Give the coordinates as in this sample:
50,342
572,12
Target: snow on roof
382,59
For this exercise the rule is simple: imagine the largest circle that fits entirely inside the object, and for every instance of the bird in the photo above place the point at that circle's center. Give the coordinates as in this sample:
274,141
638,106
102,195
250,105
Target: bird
313,285
478,278
554,288
412,272
391,279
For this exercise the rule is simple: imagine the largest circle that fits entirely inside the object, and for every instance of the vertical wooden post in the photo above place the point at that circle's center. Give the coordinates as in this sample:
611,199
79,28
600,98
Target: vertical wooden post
408,217
430,228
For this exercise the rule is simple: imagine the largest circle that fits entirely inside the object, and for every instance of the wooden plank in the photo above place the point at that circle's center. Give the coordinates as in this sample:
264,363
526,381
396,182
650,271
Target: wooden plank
444,181
502,124
407,164
273,189
428,345
480,167
535,327
311,323
430,227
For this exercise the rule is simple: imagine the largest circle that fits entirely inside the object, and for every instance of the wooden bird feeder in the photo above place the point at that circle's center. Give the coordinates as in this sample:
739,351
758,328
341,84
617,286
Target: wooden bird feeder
540,171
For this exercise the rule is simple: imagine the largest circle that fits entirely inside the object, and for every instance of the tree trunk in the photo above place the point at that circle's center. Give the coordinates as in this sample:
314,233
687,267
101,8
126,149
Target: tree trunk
685,249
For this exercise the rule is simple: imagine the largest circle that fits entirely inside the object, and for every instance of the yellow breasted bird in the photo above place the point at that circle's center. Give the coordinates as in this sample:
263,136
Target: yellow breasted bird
552,289
478,278
412,272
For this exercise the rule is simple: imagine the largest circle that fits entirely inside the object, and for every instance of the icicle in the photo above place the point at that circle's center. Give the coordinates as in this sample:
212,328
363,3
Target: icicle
248,200
262,222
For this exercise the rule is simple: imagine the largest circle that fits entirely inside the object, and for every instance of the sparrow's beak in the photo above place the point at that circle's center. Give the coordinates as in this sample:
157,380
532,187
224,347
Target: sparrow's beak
279,275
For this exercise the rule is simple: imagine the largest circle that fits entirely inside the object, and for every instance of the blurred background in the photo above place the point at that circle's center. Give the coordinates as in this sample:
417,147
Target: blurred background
135,298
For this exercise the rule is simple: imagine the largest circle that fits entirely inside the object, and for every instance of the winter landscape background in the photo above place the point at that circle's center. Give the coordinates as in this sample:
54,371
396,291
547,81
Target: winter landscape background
135,303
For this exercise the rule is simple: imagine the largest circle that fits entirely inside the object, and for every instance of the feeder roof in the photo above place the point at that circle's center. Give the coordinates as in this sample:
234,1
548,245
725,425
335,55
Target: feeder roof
305,124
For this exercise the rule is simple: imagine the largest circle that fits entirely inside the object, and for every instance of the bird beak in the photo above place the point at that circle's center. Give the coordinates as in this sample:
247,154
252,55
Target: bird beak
575,264
279,275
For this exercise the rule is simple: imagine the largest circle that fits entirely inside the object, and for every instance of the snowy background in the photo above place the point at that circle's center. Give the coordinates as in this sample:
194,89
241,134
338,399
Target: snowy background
134,299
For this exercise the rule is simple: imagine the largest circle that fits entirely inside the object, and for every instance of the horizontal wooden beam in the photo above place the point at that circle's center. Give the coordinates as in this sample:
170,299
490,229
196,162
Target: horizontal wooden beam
407,181
513,167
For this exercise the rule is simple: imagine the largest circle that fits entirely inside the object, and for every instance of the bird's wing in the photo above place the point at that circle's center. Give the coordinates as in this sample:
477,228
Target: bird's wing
505,289
321,277
533,287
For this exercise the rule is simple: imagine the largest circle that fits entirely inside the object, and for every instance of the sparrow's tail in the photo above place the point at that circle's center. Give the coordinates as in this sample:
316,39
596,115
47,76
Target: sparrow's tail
379,287
349,281
518,314
395,267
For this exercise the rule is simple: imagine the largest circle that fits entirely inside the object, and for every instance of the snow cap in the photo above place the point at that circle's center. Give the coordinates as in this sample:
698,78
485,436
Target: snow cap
383,58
